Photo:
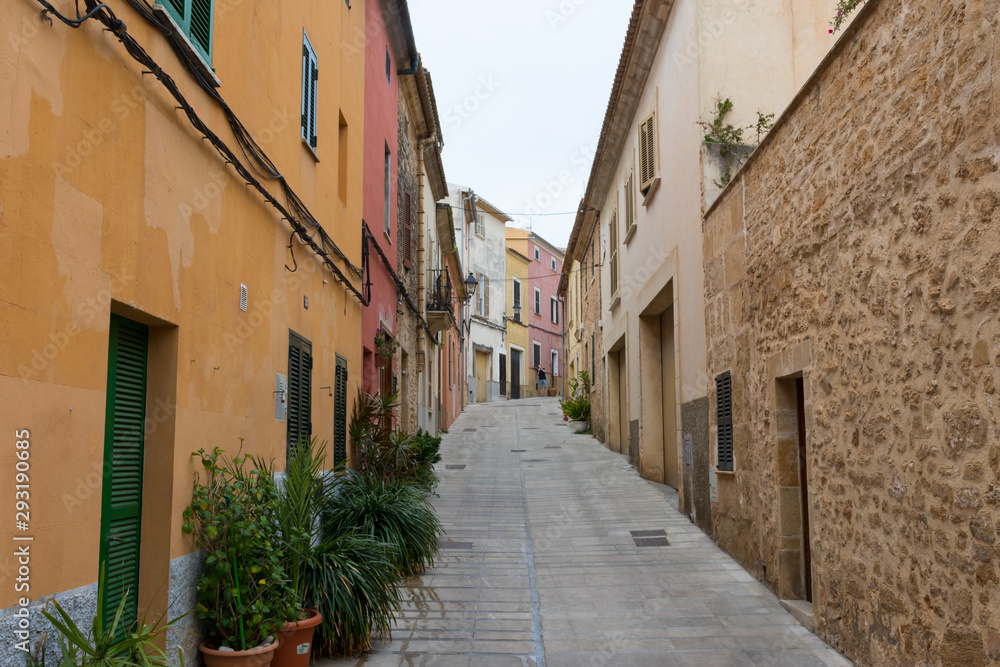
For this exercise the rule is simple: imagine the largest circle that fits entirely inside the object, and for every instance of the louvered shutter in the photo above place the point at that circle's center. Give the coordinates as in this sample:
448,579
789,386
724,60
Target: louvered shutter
313,139
517,294
124,434
299,422
306,90
487,286
340,413
647,152
724,419
201,25
407,240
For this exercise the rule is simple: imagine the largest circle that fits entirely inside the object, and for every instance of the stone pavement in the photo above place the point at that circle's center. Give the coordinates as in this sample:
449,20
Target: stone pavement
539,566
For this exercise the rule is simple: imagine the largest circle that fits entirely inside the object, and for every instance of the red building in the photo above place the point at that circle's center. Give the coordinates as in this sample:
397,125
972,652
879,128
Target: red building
380,183
544,307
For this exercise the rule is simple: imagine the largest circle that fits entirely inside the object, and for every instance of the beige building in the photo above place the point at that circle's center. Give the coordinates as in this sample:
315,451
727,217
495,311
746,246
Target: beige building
853,288
645,198
570,289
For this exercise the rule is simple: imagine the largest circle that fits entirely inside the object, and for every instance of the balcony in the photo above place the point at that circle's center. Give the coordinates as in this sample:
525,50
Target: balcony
440,294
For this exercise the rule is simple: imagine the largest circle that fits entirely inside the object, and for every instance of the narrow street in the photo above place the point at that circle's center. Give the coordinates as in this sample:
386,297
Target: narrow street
540,567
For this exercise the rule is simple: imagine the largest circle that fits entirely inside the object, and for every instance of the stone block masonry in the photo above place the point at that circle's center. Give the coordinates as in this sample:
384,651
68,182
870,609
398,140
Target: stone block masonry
856,259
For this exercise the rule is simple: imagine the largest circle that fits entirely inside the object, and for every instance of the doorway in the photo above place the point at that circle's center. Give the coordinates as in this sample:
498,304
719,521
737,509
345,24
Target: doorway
795,573
515,374
482,370
121,498
671,468
623,429
503,374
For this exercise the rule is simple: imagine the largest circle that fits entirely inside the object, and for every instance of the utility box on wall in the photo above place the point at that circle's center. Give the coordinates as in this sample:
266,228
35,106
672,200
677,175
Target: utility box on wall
280,397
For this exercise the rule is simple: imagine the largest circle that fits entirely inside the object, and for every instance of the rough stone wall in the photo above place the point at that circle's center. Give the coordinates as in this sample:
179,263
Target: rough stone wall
593,340
407,325
861,246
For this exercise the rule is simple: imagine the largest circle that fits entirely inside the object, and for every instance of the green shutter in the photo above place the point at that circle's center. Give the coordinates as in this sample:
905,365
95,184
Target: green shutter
299,390
124,432
340,413
724,419
195,19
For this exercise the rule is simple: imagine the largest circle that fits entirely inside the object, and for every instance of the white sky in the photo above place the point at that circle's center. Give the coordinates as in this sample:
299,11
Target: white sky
522,87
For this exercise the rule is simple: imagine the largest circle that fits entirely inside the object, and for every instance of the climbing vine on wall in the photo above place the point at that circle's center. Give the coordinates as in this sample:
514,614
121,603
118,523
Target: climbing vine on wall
844,9
732,140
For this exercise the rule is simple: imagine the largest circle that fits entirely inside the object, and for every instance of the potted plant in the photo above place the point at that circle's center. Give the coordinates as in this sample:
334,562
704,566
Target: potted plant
301,499
244,595
385,344
576,409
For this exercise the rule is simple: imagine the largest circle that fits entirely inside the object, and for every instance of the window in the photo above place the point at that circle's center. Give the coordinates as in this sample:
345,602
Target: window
388,67
386,191
724,419
553,263
342,156
537,350
480,225
537,255
629,203
593,356
482,295
310,78
647,152
554,308
340,412
486,290
538,301
592,264
194,18
555,363
299,416
517,293
613,243
406,230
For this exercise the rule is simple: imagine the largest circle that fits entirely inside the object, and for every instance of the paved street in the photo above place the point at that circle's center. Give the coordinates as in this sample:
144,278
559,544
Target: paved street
539,566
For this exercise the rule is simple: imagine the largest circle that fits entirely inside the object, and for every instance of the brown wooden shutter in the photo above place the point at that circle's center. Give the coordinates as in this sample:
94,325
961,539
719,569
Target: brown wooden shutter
647,152
407,231
724,419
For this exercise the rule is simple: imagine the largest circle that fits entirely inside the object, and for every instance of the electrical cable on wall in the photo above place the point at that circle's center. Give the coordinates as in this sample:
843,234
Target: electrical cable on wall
326,247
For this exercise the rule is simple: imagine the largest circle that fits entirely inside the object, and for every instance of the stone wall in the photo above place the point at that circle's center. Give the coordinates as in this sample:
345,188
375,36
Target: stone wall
593,339
408,327
858,253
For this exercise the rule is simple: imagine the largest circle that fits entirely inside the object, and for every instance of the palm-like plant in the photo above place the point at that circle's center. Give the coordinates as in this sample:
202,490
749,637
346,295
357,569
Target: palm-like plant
346,576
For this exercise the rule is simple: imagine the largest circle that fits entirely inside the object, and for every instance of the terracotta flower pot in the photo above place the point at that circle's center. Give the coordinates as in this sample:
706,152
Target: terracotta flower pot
295,641
258,657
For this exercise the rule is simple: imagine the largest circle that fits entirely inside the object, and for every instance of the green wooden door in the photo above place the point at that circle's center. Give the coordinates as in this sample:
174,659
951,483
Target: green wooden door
121,504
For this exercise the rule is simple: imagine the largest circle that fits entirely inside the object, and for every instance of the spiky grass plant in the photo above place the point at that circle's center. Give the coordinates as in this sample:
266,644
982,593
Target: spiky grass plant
393,512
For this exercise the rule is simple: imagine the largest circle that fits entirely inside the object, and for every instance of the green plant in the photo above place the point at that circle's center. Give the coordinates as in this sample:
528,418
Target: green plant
733,147
108,646
383,453
393,512
385,344
354,585
577,407
244,594
426,453
347,577
844,9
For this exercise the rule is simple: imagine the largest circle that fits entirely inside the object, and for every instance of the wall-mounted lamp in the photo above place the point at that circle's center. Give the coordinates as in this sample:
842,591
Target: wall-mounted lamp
470,285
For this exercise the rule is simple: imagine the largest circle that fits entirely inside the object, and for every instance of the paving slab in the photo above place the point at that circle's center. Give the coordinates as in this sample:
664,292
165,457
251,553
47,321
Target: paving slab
553,575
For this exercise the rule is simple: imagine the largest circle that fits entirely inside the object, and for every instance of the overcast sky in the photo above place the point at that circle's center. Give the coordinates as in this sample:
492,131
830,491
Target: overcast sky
522,87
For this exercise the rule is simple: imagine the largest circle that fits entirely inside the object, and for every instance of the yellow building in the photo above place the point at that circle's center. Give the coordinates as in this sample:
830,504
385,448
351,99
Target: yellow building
516,321
154,296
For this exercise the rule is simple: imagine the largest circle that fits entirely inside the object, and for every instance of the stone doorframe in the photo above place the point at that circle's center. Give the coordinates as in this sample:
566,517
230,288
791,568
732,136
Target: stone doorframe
783,370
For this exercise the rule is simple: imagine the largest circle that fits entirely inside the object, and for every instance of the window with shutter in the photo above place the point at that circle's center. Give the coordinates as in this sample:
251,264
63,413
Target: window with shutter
517,293
407,230
538,301
121,501
613,243
724,419
480,225
194,18
629,202
340,413
554,308
647,152
538,355
299,424
310,82
486,290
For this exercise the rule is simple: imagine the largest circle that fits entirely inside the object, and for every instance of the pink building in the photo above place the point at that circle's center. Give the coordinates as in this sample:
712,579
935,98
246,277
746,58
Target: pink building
379,206
540,299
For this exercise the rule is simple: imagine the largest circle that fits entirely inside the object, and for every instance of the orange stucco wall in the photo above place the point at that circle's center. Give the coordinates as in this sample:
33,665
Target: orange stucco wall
110,201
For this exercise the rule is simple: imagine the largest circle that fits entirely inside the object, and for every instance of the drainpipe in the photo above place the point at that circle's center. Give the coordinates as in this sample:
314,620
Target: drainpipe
410,71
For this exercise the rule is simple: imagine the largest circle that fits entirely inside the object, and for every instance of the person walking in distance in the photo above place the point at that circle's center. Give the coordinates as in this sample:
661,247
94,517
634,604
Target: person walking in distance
541,377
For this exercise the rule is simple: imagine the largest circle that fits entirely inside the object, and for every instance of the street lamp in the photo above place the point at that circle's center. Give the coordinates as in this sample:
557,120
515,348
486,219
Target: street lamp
470,285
